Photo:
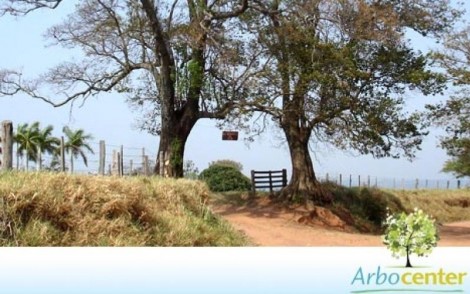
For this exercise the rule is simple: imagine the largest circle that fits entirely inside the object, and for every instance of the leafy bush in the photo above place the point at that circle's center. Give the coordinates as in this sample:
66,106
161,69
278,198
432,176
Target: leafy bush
228,162
367,206
222,178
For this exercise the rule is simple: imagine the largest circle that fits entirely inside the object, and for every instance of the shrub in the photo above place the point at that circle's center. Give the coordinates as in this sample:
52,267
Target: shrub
222,178
228,162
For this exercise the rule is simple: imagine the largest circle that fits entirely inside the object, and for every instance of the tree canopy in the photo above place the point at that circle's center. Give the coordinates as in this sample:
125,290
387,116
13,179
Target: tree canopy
165,55
337,72
454,114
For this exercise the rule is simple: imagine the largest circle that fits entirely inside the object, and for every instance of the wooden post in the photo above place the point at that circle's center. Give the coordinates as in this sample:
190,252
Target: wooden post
359,180
284,177
6,145
394,183
131,167
368,181
417,184
62,154
448,184
327,177
253,188
146,165
437,184
350,181
121,161
458,184
118,164
102,162
376,182
270,182
340,179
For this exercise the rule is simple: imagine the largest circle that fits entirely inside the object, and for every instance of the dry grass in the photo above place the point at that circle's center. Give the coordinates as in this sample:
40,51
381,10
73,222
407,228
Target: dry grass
444,205
45,209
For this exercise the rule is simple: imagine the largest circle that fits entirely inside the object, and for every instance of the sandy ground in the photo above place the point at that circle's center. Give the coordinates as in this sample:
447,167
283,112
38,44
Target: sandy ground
268,225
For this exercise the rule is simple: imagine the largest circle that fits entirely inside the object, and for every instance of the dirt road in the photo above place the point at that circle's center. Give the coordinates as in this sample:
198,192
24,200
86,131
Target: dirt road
271,226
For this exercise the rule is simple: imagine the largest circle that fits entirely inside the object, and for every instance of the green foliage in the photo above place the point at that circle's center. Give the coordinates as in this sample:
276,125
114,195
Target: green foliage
454,116
410,233
368,207
77,144
221,178
32,140
228,162
175,158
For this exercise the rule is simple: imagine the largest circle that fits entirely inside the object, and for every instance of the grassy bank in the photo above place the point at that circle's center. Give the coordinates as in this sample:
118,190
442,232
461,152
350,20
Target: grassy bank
42,209
443,205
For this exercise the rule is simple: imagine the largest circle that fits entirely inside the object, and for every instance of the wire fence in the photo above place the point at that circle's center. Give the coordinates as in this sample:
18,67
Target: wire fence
351,180
133,160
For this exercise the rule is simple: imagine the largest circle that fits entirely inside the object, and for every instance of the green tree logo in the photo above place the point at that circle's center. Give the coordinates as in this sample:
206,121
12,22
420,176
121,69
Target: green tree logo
410,233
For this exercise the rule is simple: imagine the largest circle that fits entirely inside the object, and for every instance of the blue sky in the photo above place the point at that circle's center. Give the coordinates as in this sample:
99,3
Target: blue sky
109,118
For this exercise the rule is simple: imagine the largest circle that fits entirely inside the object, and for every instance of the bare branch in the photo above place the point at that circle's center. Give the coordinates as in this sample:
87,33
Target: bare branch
23,7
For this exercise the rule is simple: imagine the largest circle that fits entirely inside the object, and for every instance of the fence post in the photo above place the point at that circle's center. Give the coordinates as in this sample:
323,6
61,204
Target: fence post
102,162
327,177
131,167
437,184
448,184
359,180
118,164
417,184
376,183
146,165
253,188
121,161
350,181
368,181
284,177
6,145
394,183
340,179
270,182
143,161
458,184
62,154
114,168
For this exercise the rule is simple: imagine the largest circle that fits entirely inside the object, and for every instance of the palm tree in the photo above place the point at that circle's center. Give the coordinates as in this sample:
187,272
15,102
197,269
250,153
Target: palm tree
33,141
76,144
46,143
26,137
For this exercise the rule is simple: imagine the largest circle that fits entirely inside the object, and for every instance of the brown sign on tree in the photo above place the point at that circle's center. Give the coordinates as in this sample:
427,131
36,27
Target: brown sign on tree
229,136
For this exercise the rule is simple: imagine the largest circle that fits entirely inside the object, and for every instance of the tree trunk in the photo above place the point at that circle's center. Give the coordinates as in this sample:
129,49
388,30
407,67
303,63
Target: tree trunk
303,185
173,141
408,264
71,162
39,158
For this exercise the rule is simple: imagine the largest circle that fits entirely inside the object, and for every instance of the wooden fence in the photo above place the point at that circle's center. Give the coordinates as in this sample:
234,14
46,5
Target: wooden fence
268,179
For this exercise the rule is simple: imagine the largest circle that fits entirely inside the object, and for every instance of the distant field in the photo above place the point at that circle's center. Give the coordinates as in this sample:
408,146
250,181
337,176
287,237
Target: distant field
45,209
444,205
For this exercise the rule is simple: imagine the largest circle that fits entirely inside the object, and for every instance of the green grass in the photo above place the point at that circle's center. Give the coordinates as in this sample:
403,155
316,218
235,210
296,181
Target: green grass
47,209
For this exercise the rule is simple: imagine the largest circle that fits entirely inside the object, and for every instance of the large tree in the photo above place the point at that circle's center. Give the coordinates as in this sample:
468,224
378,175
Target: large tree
167,52
337,72
454,114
